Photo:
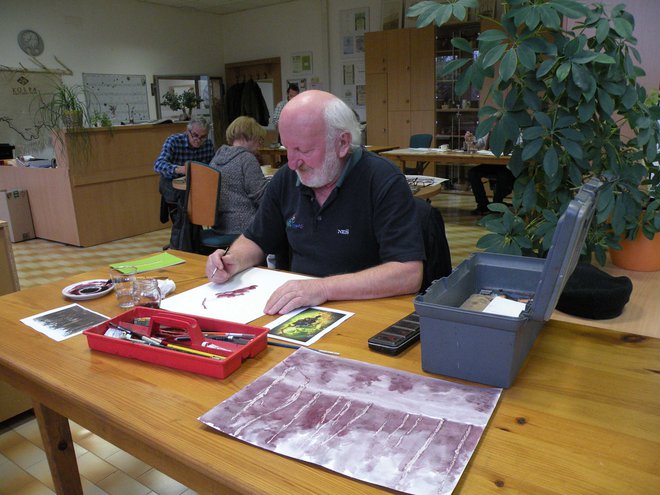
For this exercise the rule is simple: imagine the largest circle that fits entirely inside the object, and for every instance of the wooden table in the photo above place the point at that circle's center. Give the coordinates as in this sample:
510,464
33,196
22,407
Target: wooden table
640,315
403,155
277,156
582,417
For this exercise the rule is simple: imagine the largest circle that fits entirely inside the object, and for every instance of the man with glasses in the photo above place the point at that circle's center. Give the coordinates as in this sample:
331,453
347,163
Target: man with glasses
192,145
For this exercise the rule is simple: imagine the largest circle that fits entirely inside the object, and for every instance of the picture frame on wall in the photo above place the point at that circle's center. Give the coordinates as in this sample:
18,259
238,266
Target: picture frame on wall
302,63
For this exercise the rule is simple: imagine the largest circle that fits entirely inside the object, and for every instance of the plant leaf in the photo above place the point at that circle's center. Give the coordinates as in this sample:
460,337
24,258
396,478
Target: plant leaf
573,148
545,67
531,148
462,44
551,161
492,35
494,55
452,66
602,30
527,56
508,65
622,27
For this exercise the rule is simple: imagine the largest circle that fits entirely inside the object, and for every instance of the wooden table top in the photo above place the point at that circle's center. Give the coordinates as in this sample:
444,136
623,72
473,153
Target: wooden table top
640,315
582,417
453,157
280,151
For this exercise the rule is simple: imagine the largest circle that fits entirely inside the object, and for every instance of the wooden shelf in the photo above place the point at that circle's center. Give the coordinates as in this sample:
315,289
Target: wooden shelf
457,110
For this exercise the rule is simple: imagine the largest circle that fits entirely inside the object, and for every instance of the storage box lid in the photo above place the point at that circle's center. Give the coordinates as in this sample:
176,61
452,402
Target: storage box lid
564,252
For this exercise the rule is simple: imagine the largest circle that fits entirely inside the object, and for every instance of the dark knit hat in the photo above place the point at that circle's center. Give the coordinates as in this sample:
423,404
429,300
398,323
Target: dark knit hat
592,293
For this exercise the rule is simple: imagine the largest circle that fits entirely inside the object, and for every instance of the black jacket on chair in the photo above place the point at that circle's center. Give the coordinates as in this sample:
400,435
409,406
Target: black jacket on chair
438,256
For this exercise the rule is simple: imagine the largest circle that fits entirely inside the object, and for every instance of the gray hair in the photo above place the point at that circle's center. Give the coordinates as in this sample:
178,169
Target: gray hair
339,118
198,122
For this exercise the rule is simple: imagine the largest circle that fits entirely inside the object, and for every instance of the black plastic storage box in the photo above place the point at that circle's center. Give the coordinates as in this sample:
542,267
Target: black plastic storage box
489,348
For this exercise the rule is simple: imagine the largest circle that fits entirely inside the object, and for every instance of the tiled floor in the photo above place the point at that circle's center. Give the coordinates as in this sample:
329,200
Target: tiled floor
104,468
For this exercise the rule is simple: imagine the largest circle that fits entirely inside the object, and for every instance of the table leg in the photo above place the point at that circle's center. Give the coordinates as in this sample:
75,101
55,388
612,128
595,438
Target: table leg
58,445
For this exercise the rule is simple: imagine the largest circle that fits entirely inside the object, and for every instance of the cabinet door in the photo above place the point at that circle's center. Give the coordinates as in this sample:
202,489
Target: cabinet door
398,63
399,128
375,56
422,122
422,69
377,131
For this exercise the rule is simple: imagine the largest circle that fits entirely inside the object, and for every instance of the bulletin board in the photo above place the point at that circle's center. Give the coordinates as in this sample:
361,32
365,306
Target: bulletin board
123,97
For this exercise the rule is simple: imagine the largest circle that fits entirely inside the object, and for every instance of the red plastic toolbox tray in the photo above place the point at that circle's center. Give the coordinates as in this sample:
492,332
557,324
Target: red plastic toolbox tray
191,326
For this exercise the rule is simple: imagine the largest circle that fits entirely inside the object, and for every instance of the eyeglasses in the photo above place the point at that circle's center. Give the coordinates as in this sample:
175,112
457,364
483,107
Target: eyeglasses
199,137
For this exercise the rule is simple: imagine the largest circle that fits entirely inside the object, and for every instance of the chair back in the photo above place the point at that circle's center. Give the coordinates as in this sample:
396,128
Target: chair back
203,187
421,140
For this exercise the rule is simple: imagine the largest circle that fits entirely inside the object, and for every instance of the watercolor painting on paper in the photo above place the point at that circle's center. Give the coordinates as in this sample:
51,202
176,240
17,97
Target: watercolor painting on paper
392,428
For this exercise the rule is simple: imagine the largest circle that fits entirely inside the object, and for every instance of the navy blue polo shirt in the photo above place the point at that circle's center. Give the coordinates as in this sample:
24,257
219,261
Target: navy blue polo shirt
368,219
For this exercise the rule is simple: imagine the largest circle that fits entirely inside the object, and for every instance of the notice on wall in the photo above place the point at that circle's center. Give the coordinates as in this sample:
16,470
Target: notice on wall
123,97
21,124
353,24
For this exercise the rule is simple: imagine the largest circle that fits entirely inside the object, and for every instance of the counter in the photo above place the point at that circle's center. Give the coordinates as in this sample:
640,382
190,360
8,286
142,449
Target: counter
104,187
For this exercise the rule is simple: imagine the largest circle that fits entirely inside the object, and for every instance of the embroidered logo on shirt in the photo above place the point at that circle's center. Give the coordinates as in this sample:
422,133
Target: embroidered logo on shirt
343,231
291,224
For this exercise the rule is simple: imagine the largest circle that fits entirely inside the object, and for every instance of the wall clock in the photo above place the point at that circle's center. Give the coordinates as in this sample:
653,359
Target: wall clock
30,42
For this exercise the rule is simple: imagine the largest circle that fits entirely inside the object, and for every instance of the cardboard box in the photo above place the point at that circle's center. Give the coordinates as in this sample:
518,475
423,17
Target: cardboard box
492,348
15,209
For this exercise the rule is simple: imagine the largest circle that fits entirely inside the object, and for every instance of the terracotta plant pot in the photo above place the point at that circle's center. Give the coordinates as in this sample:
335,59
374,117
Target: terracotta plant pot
640,255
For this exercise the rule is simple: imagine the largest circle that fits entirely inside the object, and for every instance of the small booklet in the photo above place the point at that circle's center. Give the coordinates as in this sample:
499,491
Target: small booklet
156,262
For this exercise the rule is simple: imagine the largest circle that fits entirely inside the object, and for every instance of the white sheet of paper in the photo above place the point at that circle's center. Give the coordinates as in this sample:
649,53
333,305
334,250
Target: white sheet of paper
64,322
321,318
505,307
241,307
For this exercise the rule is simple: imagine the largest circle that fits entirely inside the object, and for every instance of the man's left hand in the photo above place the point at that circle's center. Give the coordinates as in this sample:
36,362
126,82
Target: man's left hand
296,294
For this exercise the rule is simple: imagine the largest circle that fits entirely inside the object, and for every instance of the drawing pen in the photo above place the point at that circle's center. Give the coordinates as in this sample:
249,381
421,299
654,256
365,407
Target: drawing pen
248,336
233,340
215,270
192,351
290,346
160,343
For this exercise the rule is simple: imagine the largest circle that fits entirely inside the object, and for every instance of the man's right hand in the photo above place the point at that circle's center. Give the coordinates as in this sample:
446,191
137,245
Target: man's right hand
220,267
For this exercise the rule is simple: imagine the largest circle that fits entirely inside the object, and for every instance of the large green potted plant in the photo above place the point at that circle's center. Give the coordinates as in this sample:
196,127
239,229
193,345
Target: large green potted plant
566,104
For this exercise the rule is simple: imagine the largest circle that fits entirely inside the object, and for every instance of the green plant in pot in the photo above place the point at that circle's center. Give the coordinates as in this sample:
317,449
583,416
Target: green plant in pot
185,102
64,107
566,104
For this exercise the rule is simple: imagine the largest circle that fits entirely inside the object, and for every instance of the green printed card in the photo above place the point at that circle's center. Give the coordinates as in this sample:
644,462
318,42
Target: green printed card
151,263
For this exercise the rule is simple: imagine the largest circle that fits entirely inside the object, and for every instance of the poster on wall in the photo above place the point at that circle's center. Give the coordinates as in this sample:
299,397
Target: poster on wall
122,97
302,63
21,124
353,24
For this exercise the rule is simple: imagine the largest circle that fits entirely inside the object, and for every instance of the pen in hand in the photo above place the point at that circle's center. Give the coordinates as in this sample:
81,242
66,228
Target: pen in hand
215,270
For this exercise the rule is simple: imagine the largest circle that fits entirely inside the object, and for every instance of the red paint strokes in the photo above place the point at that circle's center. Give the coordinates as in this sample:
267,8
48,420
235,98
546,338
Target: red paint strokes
236,292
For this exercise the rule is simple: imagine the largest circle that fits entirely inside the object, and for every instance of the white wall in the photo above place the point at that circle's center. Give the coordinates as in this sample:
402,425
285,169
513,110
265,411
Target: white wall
129,37
647,32
114,37
279,31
